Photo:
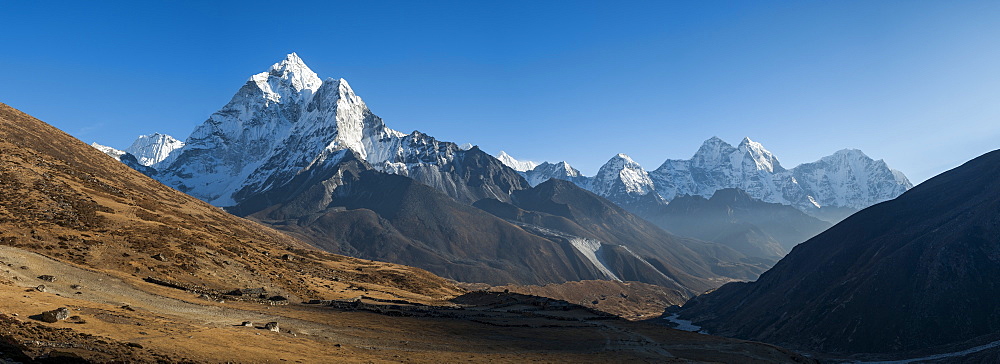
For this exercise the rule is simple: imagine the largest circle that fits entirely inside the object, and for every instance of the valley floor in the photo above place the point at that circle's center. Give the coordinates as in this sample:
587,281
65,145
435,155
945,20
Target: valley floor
125,319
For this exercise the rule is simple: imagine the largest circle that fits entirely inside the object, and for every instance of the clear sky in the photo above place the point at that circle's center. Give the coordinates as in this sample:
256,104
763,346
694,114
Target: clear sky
916,83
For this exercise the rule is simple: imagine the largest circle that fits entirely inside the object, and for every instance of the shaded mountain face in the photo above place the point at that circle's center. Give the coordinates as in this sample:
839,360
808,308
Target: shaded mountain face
68,201
619,239
735,219
346,206
916,272
287,119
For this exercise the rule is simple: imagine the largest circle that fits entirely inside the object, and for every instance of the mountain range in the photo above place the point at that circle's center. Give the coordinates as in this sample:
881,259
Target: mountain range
303,154
831,188
307,156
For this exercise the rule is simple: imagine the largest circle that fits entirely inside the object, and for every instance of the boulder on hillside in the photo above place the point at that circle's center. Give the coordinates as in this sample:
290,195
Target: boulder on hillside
56,315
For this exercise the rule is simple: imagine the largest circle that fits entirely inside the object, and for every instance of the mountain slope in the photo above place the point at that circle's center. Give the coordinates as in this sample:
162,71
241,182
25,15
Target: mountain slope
80,230
69,201
911,273
627,244
348,207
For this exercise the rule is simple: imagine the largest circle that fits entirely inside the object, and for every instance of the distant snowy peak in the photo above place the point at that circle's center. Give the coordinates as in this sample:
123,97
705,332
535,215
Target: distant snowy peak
848,178
154,149
111,152
713,152
520,166
546,171
762,159
749,155
620,177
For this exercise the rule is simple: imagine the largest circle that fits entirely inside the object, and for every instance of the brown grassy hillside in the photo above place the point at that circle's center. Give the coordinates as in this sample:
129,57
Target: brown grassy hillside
61,198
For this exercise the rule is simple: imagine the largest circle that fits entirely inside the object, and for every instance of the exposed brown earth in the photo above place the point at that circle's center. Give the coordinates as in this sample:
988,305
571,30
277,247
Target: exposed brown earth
91,230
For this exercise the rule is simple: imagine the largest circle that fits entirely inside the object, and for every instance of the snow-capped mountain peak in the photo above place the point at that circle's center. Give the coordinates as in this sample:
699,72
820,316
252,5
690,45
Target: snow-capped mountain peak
517,165
567,169
155,149
621,176
762,158
286,121
288,78
562,170
713,152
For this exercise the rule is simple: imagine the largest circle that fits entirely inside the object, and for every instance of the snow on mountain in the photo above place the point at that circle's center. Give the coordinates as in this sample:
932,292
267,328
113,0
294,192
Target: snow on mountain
848,178
621,179
111,152
286,120
126,158
719,165
520,166
562,170
154,149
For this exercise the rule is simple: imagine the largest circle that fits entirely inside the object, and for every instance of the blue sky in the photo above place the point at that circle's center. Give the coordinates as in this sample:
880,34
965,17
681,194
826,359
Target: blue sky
913,82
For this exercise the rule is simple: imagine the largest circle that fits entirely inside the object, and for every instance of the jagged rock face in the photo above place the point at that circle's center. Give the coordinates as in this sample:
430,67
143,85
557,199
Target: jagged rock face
847,179
913,273
287,119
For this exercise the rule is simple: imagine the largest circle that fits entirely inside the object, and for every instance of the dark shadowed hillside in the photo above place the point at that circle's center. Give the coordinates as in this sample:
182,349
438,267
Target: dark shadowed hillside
915,273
